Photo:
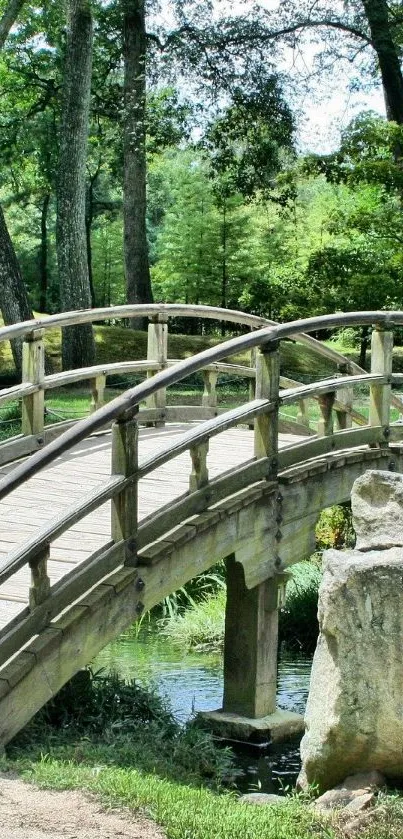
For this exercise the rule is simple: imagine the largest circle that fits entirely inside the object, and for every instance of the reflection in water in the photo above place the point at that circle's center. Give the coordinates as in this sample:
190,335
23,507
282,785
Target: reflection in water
193,682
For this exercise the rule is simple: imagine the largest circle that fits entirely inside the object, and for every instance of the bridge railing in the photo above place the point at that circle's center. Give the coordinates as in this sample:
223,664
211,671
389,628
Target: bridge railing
131,536
31,392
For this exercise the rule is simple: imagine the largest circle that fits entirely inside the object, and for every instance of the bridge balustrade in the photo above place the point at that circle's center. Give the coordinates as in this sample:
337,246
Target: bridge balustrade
155,555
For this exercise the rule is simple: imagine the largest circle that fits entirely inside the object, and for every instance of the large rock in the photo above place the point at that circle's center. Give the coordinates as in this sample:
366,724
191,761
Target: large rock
354,716
377,507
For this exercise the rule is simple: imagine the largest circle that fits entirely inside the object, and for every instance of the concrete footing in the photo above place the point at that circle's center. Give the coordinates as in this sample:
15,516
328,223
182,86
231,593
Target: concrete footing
274,728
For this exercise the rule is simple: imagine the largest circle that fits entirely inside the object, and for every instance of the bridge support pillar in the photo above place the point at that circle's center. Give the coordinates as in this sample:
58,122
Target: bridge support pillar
250,645
249,709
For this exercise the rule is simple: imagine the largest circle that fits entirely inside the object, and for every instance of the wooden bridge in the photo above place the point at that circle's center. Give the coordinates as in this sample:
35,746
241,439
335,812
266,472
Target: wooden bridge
101,518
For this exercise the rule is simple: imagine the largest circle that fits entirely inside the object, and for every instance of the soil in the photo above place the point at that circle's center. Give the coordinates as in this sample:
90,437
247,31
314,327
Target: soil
30,813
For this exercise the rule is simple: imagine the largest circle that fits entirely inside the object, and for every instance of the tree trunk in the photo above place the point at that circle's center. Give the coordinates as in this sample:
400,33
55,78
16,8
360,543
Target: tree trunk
392,79
224,278
43,255
137,269
89,218
78,348
13,295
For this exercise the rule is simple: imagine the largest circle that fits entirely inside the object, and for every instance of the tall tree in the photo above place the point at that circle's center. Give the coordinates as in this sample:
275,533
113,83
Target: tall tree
137,269
13,295
78,349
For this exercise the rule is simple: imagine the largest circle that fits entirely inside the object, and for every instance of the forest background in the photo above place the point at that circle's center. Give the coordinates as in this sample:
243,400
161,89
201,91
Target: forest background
149,153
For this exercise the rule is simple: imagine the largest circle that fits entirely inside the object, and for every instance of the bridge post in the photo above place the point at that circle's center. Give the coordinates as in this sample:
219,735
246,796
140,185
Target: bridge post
267,387
157,350
33,370
40,584
199,474
381,362
125,504
344,398
209,398
325,423
250,645
97,392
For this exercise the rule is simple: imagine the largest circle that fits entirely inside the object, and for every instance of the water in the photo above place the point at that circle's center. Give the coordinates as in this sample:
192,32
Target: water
193,682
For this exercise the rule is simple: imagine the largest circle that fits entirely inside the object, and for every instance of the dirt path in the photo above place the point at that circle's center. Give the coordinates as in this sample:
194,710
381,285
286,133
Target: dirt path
30,813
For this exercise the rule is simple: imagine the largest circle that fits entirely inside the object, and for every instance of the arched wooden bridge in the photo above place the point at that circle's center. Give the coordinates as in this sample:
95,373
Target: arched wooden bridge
102,518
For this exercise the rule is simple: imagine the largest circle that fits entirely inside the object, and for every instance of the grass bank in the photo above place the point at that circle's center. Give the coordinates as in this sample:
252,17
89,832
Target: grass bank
121,743
199,625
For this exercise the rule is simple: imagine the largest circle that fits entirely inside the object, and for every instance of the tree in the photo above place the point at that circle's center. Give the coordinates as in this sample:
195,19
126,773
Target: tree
78,349
137,267
14,299
355,30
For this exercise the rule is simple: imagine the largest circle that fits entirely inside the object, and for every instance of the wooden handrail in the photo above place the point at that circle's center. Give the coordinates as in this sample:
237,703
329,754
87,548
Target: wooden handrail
18,330
127,402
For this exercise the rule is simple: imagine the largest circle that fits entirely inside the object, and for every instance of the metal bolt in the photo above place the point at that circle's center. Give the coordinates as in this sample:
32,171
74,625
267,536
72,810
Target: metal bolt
279,518
278,562
279,498
139,608
392,466
386,432
140,584
132,544
279,535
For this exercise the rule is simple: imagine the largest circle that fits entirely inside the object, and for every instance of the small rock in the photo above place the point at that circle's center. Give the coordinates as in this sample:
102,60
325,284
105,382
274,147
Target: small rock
342,798
334,799
360,802
364,781
262,798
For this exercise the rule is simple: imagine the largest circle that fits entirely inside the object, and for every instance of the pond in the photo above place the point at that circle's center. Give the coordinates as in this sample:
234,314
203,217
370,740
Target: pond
193,682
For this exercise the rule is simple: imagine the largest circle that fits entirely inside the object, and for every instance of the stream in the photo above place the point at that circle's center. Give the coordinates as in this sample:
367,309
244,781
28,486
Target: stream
193,682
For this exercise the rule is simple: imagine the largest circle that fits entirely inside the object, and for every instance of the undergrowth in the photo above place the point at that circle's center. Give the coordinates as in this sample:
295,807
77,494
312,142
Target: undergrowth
101,719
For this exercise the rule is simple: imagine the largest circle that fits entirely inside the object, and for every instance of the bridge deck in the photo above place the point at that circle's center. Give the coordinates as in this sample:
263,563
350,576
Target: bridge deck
84,468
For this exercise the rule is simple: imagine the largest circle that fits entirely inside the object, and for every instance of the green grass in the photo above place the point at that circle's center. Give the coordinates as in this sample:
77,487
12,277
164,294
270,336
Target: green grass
188,813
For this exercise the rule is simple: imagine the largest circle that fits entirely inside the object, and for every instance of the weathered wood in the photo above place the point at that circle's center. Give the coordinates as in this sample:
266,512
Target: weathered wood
97,392
250,645
199,474
133,396
381,363
34,547
267,387
325,423
9,394
204,432
33,371
339,441
157,350
209,398
40,583
63,594
125,504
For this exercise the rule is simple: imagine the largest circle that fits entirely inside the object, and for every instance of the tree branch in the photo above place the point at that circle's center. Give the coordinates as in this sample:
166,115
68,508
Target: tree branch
9,17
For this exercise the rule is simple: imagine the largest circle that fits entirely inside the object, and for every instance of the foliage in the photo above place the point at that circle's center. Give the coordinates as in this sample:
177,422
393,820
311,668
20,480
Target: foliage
200,626
102,719
334,528
298,621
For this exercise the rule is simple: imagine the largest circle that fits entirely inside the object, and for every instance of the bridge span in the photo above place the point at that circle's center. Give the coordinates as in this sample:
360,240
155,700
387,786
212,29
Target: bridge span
100,519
